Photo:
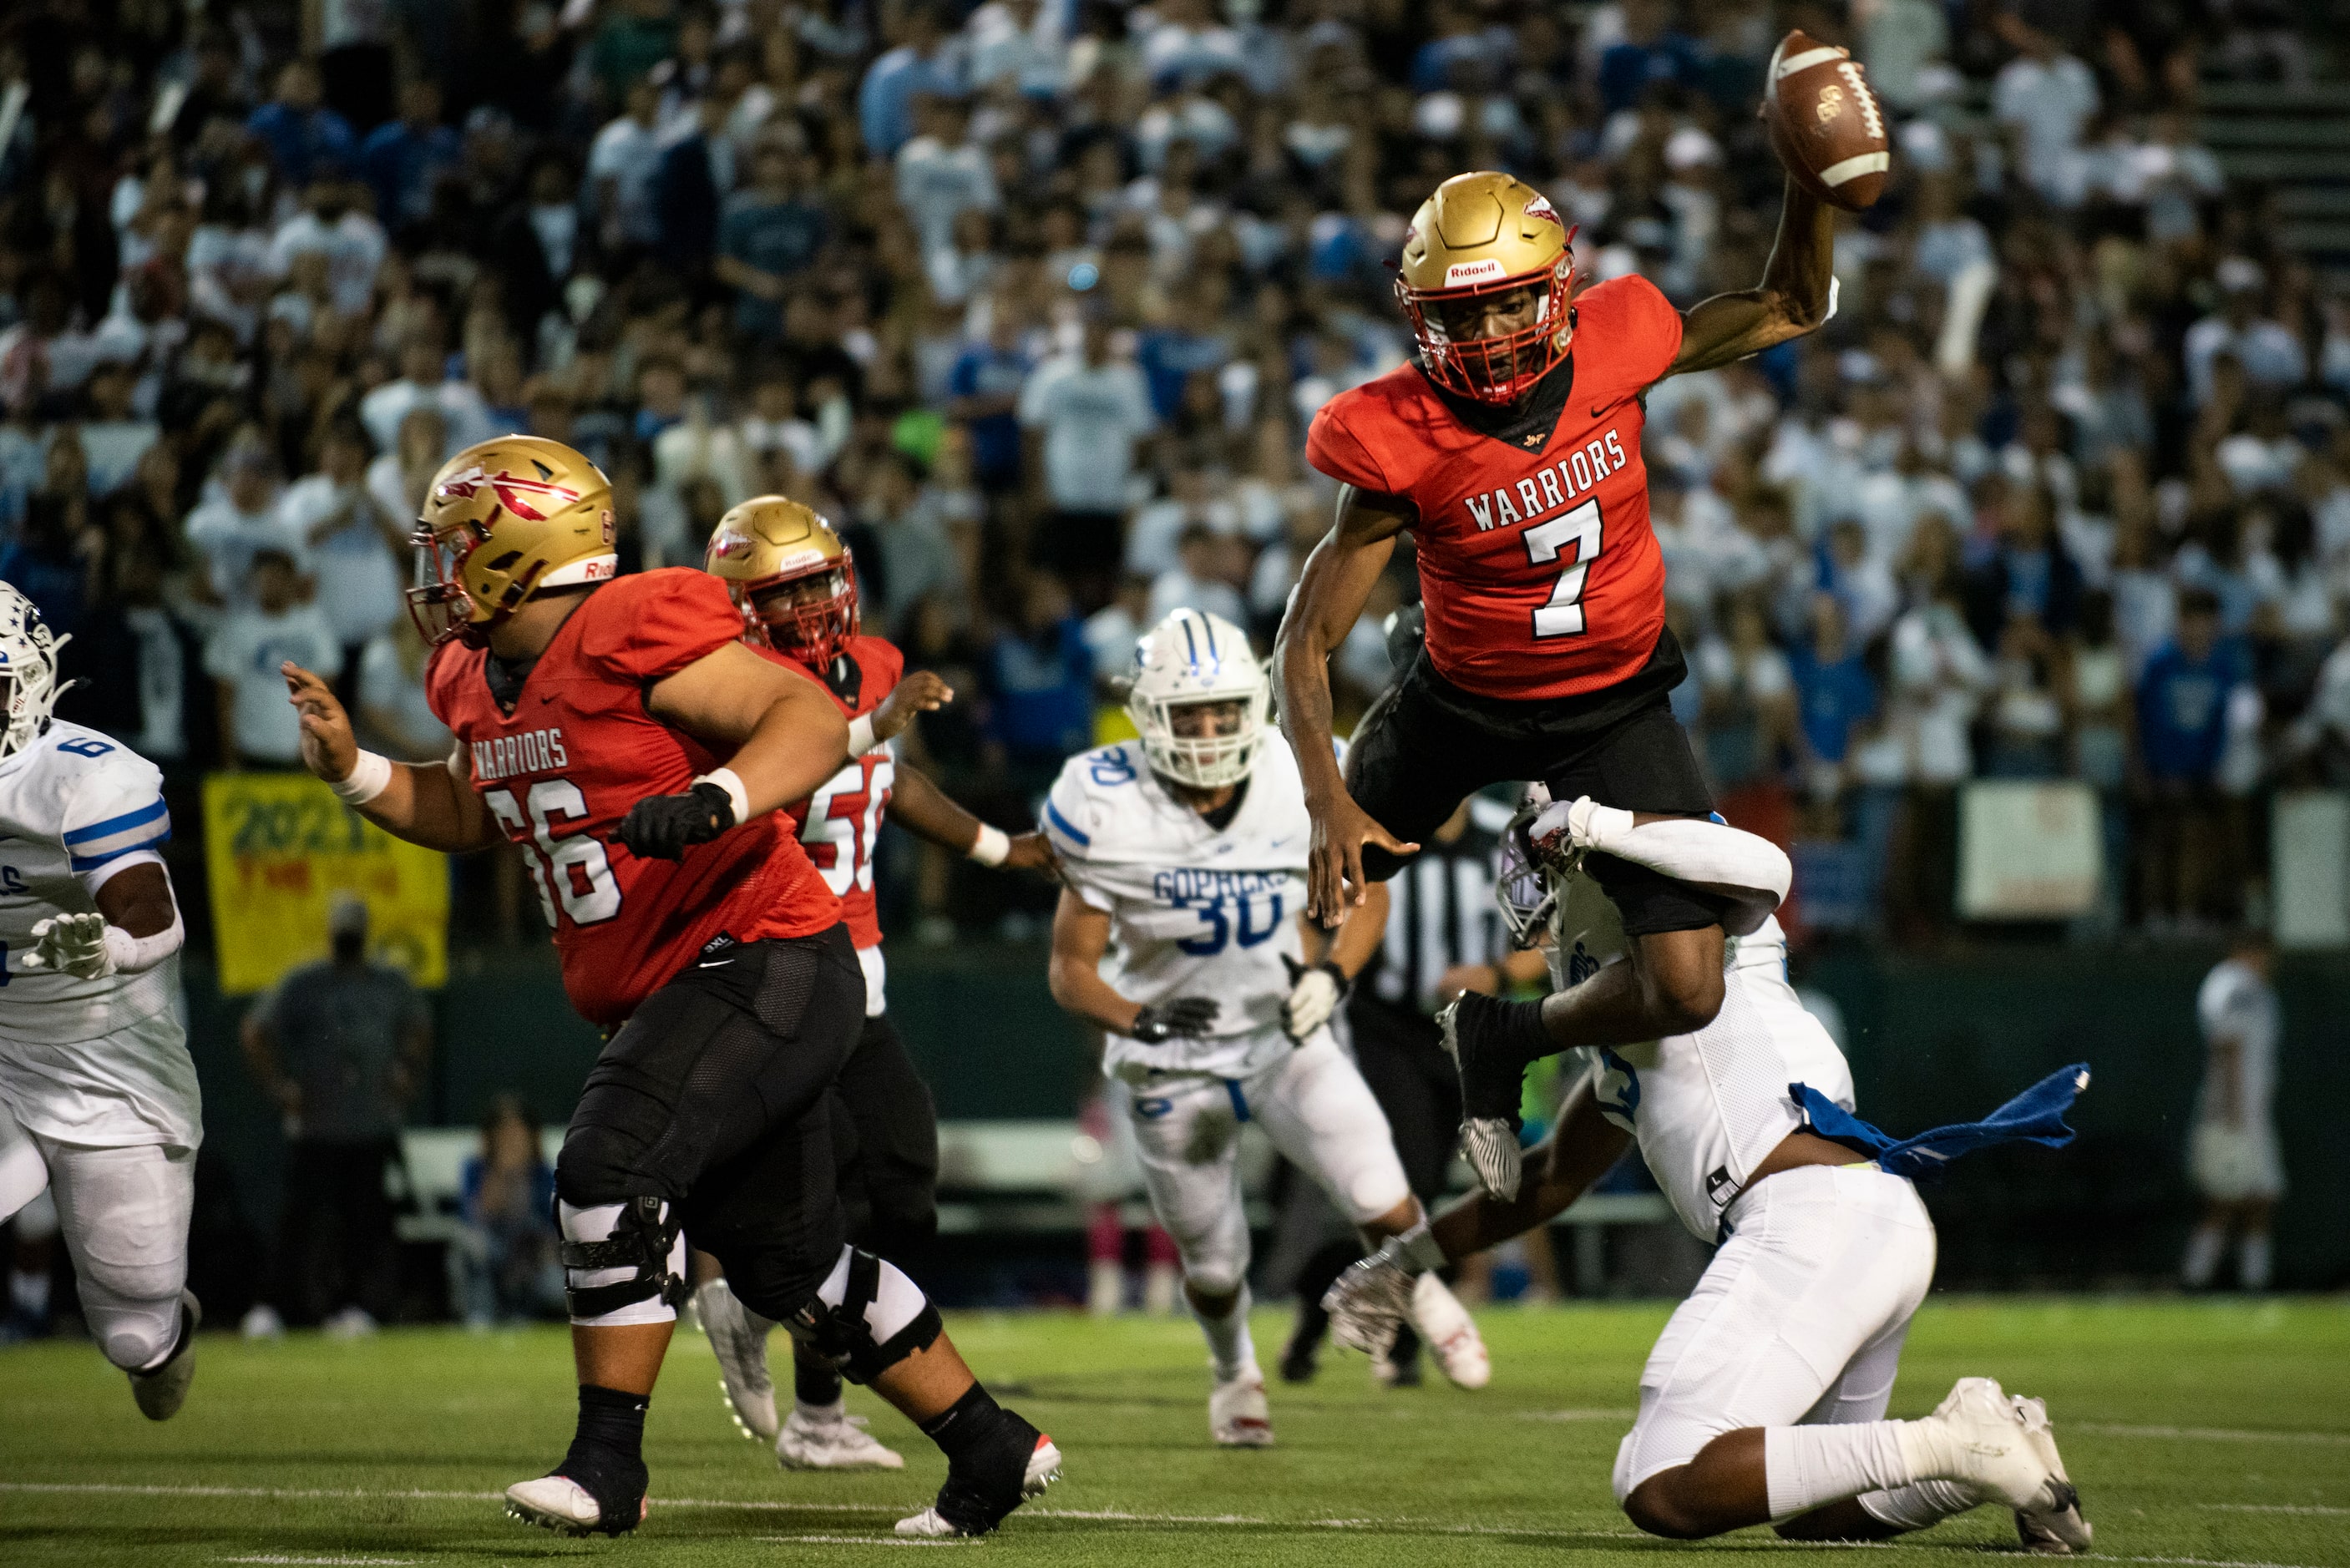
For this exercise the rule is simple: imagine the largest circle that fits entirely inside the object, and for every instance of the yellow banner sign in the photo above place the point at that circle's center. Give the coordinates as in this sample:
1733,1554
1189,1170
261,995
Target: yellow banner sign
279,848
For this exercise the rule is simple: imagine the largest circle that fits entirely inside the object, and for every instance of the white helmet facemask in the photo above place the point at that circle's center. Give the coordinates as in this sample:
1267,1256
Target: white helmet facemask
1192,658
28,670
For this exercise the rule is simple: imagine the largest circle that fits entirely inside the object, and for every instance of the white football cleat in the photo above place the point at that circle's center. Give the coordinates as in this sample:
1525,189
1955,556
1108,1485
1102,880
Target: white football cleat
560,1505
161,1393
1450,1333
2058,1531
837,1443
1044,1469
738,1338
1238,1415
1997,1453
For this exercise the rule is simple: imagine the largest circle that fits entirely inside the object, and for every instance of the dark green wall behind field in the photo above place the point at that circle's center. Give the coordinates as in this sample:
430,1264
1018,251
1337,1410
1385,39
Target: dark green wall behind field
1929,1043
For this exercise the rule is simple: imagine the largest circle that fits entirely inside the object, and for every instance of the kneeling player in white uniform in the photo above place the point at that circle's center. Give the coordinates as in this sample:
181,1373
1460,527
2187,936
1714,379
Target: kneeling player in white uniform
1764,1399
1187,852
98,1094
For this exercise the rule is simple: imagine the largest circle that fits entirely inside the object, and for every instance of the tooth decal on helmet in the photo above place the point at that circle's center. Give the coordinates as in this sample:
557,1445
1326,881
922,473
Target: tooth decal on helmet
794,580
1195,660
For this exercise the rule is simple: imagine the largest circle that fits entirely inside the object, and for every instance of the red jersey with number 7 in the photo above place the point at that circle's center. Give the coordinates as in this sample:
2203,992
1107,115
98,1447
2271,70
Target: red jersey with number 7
1538,569
837,824
560,771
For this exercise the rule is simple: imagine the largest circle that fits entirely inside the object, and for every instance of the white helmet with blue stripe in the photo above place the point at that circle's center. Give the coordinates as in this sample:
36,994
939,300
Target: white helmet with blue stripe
28,670
1194,659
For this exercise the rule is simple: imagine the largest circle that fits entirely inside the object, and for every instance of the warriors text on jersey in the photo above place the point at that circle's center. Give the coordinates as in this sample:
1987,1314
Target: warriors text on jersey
1194,911
1707,1107
1537,565
102,1062
836,825
578,750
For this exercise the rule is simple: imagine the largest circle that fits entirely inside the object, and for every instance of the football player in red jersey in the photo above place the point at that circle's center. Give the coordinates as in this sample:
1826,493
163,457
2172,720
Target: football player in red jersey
619,731
1510,449
797,587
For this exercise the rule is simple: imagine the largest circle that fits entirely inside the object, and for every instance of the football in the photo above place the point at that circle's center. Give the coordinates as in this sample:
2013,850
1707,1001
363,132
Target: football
1826,124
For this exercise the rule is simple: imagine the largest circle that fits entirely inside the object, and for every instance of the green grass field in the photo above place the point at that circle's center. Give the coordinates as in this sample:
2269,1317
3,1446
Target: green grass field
2212,1434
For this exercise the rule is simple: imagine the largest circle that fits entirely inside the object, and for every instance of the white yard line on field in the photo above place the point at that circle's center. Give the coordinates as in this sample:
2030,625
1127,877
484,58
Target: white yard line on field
865,1541
2206,1434
280,1557
2315,1510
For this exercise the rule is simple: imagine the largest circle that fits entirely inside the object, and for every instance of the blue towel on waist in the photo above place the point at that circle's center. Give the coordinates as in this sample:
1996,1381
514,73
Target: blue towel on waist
2035,1116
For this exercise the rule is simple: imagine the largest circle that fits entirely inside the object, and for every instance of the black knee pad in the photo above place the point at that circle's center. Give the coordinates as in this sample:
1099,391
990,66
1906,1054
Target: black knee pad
841,1335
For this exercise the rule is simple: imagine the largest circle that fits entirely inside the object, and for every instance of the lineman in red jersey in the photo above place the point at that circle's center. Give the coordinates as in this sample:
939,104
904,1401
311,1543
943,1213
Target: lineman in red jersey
619,732
1511,448
795,586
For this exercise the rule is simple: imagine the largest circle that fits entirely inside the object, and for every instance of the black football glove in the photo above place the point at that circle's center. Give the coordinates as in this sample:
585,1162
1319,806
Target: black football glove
1187,1017
662,828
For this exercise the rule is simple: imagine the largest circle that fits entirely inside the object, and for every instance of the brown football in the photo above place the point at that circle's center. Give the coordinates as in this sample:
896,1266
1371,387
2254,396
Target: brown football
1825,123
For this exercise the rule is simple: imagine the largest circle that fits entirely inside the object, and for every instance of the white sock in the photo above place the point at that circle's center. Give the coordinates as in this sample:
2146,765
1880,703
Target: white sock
2203,1249
1229,1345
1803,1466
2252,1263
1921,1505
28,1293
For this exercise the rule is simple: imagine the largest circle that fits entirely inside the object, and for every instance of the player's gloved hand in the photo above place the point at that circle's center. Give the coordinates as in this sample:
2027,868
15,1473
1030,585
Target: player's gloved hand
70,944
663,828
1186,1017
1367,1303
1313,994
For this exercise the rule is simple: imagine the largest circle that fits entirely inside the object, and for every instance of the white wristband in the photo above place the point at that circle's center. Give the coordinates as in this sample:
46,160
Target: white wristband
991,846
369,777
725,779
127,954
861,738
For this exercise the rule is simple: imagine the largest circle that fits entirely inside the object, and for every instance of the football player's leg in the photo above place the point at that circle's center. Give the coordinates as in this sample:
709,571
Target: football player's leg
1410,764
23,1173
1187,1137
1321,1115
124,1213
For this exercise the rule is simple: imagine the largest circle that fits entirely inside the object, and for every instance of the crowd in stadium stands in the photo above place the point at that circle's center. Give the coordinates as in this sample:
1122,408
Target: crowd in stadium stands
1035,300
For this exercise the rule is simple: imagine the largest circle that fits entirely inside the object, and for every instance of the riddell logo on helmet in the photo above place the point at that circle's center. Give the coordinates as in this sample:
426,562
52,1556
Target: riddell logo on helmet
522,497
1459,272
596,571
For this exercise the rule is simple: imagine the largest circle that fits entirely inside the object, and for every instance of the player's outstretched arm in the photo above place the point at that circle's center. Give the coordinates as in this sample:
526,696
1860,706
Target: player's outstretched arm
920,692
924,810
1793,297
432,804
1330,597
1578,1152
135,927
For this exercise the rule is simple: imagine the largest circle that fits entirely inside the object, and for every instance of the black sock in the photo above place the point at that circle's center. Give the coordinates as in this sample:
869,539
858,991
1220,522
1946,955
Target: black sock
607,1455
814,1381
966,1426
1517,1034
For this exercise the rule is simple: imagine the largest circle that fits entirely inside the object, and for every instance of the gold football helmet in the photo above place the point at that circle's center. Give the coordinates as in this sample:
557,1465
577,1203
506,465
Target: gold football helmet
505,519
1479,236
790,574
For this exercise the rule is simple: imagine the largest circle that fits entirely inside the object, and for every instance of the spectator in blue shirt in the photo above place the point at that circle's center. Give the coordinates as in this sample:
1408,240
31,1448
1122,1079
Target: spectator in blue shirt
768,237
304,137
1650,53
925,63
2187,829
403,158
503,1265
1040,681
984,387
1835,694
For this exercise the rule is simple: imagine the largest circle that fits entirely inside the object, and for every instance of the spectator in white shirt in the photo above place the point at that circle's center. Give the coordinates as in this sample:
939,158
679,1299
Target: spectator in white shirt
1086,413
226,530
940,173
2048,98
1021,41
399,478
355,546
1198,579
332,224
621,166
2271,355
245,656
424,382
391,706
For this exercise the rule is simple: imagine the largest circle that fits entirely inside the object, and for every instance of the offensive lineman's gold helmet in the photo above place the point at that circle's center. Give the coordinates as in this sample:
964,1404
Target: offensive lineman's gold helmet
766,549
503,519
1481,235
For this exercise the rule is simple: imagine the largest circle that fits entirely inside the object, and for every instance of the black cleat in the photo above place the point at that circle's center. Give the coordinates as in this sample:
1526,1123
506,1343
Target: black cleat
1018,1465
1492,1086
1301,1357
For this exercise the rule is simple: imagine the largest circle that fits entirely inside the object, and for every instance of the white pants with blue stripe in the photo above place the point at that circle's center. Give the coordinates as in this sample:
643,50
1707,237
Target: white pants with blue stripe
1315,1108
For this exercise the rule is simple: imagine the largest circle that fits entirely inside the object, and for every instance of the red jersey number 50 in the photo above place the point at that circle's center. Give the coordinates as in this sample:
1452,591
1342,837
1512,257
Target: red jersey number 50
1545,542
574,870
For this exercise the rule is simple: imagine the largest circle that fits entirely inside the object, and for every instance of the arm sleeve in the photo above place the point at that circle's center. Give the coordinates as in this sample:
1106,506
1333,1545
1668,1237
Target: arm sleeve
1332,448
650,625
115,818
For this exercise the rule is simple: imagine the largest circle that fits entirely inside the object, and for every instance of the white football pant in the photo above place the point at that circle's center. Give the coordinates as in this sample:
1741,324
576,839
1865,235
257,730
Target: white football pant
1798,1320
124,1212
1315,1107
